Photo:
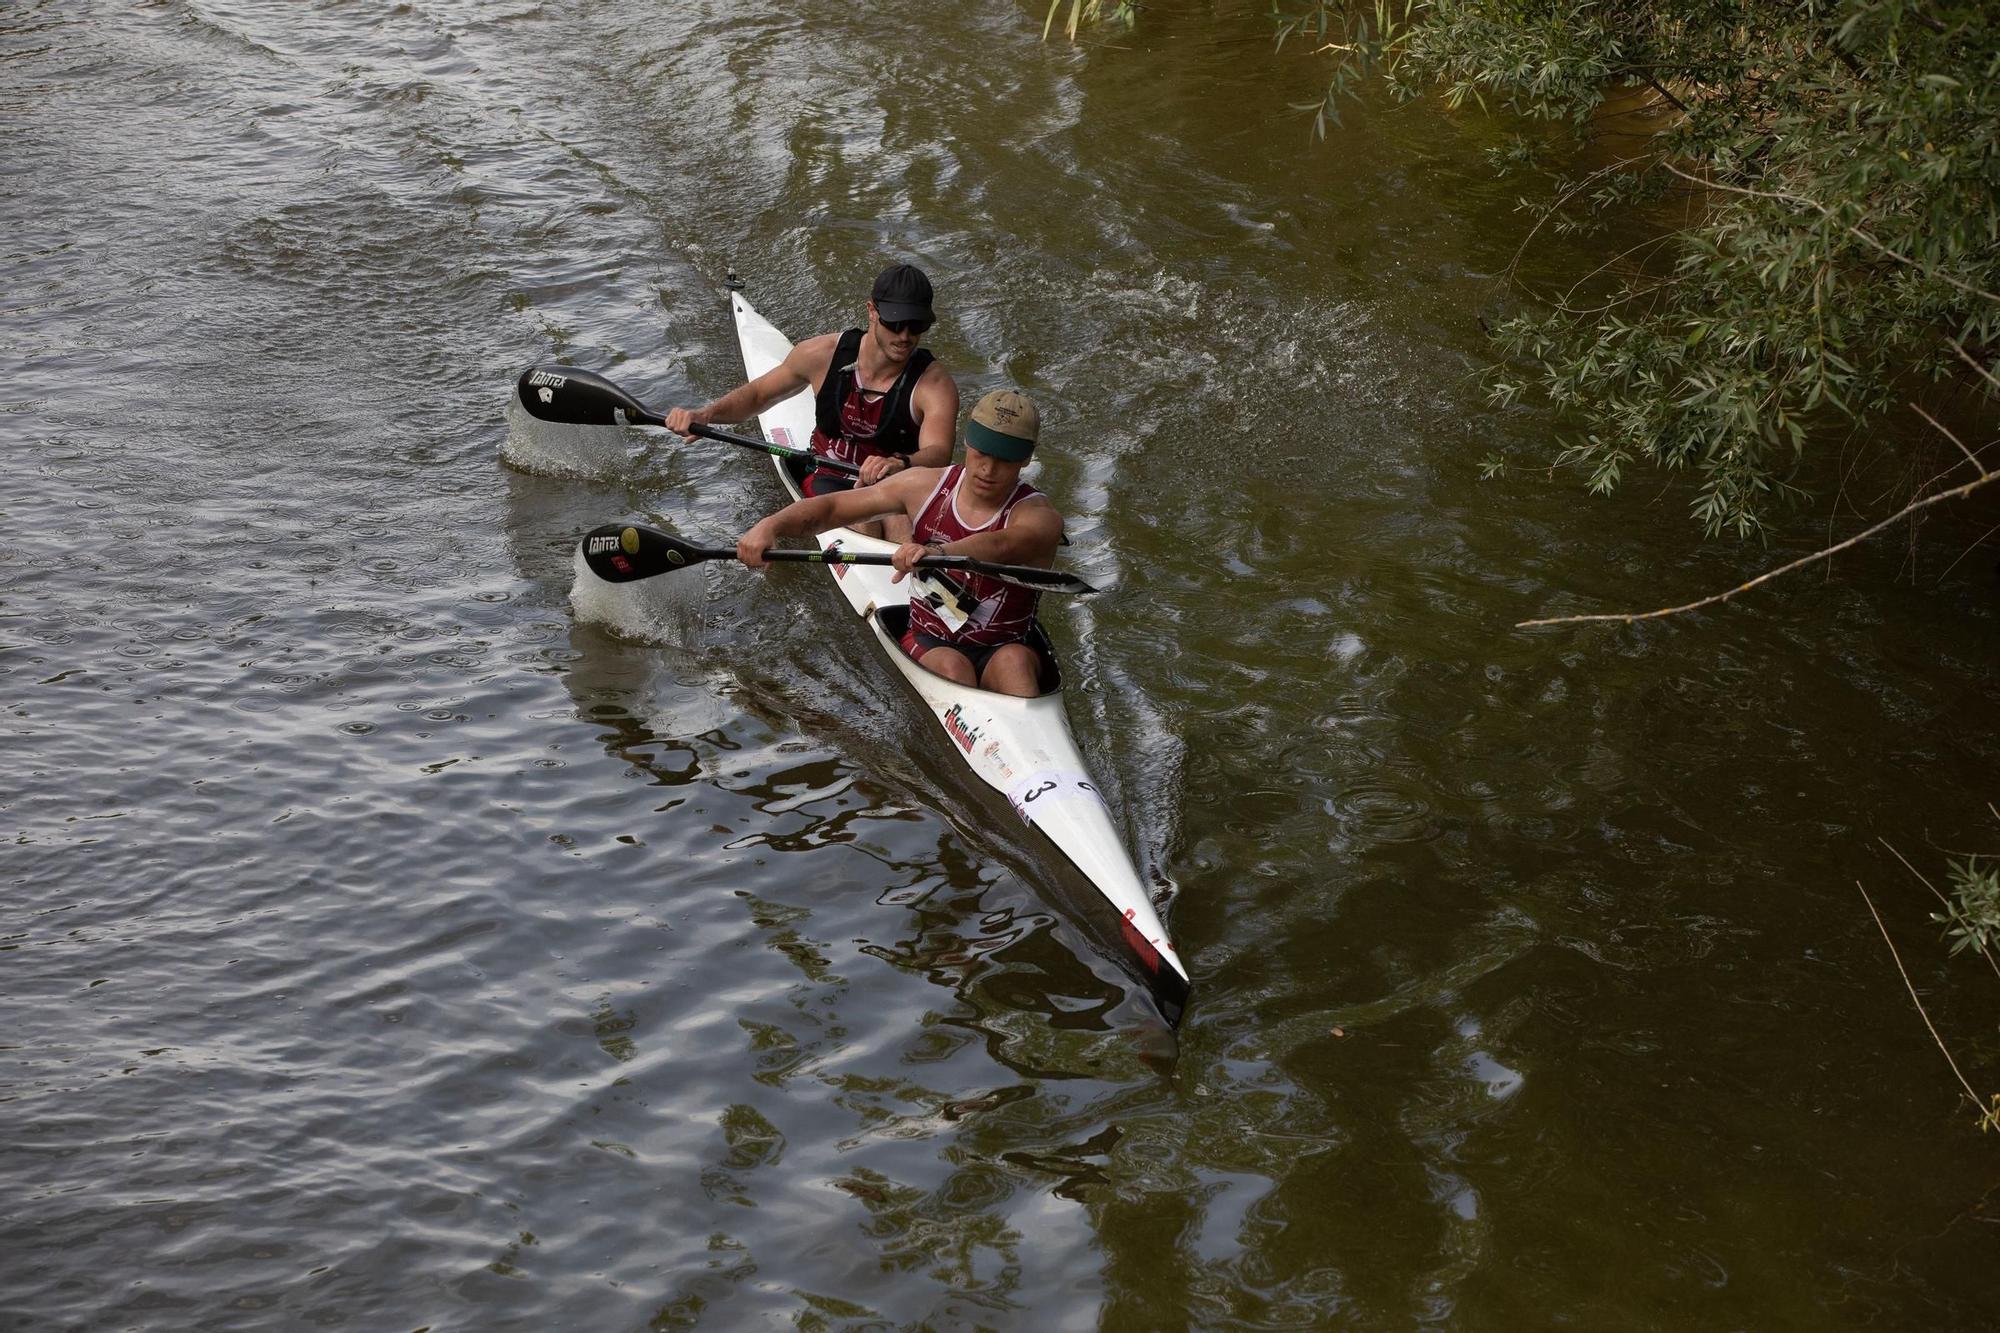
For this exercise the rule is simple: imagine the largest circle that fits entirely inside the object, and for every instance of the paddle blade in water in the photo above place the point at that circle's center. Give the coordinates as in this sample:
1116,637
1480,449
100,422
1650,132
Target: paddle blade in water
561,393
623,552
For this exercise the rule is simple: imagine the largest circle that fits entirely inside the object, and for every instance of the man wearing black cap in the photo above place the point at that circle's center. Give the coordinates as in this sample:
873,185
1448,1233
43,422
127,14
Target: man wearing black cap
881,402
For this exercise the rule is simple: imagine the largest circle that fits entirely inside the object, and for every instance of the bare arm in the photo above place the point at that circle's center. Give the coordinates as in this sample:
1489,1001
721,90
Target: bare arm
934,404
936,407
840,509
803,366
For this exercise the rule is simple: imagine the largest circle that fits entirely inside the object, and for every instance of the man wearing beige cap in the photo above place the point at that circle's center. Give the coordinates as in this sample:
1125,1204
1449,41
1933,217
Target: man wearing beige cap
880,401
979,508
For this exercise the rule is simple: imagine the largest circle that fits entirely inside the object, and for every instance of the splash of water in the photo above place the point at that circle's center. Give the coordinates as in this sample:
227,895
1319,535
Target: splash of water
558,449
665,611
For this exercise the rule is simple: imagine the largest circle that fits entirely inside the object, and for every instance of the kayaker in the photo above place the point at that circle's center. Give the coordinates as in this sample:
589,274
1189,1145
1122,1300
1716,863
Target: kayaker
880,400
979,508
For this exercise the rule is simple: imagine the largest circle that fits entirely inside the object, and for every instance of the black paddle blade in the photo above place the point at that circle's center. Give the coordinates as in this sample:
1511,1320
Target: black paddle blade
1043,580
561,393
1022,576
625,552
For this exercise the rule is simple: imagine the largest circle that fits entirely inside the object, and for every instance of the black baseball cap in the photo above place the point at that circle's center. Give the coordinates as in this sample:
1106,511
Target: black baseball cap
903,292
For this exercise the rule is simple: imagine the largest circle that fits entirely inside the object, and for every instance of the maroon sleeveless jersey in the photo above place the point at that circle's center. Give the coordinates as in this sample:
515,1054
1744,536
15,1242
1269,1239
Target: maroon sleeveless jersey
1006,611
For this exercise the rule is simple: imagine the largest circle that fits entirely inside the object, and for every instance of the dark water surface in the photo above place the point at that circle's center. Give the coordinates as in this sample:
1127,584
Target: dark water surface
387,944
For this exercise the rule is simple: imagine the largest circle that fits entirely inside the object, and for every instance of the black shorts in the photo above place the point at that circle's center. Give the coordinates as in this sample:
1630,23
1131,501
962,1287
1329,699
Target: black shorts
915,645
821,482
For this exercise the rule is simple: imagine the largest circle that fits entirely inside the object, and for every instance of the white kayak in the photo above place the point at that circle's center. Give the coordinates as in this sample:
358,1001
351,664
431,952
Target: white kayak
1021,748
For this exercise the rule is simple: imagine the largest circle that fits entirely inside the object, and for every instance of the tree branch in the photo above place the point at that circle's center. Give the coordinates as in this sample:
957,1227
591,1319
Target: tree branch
1966,552
1855,231
1914,1000
1966,357
1660,88
1550,211
1627,618
1976,467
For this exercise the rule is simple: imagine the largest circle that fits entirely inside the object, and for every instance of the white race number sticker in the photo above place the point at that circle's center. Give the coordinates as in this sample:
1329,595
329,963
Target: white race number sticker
1048,789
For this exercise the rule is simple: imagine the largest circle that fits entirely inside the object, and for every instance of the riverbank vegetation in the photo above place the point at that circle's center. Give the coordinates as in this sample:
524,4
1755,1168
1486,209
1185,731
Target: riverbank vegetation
1813,184
1823,179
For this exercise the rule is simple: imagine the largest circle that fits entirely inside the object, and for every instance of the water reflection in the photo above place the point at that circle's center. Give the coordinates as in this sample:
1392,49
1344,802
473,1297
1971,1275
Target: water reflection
674,977
613,1030
977,930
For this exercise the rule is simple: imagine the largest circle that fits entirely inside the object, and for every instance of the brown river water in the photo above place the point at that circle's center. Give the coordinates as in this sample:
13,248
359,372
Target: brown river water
389,943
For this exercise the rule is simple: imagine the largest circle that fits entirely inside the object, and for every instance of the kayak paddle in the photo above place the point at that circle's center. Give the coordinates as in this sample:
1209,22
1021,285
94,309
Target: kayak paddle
624,552
581,398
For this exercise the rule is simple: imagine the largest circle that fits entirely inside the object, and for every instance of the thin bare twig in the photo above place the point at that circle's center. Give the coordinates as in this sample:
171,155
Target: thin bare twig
1913,997
1567,195
1966,357
1623,298
1935,891
1628,617
1629,250
1968,551
1949,436
1954,467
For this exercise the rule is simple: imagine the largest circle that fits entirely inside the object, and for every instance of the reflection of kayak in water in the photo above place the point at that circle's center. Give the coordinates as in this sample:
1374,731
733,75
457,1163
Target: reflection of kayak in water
1021,748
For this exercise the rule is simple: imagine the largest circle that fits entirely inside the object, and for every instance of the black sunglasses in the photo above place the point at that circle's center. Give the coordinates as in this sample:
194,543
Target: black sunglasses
907,325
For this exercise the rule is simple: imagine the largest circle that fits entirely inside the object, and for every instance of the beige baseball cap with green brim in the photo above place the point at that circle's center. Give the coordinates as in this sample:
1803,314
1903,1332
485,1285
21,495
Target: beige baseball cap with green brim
1006,425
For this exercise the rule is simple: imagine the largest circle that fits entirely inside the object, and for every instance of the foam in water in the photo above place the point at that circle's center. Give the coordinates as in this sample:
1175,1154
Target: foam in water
665,611
558,449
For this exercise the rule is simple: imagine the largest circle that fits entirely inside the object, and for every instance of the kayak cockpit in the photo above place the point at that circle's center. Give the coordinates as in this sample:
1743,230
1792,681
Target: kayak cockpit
894,620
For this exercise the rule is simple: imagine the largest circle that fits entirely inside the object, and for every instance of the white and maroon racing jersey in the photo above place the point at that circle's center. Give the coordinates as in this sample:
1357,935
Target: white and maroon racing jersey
1006,611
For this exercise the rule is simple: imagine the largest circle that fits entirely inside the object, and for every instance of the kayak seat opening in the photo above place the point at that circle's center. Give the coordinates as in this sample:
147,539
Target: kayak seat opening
895,620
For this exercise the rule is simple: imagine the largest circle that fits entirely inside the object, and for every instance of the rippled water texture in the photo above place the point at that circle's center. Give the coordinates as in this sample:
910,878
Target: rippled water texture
390,942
